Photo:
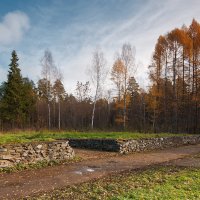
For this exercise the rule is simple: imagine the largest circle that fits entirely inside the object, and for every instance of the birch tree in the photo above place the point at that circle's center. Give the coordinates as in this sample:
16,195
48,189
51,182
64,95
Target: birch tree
98,74
48,72
127,57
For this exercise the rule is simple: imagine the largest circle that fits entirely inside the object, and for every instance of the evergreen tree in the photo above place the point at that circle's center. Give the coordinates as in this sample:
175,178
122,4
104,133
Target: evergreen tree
2,89
132,87
59,90
11,101
59,96
28,99
17,96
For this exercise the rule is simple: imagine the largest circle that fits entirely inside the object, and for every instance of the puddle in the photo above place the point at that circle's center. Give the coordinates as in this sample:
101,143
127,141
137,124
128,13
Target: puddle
89,170
78,172
84,170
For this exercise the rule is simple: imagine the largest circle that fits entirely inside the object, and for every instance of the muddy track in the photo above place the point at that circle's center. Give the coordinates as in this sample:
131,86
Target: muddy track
95,164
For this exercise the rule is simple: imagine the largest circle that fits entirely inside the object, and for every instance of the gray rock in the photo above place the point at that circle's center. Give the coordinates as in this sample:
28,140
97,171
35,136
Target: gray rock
3,150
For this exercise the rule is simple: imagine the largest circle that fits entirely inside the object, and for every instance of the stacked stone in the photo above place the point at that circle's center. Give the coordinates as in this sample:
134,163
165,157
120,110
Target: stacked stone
128,146
32,152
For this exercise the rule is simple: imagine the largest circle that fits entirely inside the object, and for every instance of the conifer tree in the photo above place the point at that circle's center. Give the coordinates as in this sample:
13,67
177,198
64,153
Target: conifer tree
11,107
18,97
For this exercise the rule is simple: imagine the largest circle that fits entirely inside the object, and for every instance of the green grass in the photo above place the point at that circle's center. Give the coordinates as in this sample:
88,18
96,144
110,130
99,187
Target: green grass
32,136
166,183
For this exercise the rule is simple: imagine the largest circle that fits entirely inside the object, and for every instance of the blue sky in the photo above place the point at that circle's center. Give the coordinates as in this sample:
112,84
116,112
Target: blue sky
72,29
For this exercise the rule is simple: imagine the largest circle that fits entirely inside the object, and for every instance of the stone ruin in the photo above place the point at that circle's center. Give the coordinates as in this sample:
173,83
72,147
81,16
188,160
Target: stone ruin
12,154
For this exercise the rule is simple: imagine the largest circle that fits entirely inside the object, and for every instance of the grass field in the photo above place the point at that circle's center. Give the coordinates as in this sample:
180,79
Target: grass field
31,136
166,183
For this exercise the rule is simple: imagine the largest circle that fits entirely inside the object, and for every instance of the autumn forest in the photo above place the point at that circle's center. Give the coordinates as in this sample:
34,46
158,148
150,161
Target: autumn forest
170,104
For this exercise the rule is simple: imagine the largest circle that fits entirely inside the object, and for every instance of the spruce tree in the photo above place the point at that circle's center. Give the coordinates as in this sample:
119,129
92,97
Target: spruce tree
12,104
28,99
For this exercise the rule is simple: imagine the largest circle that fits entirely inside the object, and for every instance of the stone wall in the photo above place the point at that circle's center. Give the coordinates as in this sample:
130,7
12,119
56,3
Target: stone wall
11,154
128,146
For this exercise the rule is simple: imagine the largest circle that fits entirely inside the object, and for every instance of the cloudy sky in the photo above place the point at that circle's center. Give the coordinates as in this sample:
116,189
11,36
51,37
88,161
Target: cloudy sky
72,29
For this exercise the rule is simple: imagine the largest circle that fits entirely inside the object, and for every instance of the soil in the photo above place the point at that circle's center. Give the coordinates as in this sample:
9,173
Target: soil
192,161
94,164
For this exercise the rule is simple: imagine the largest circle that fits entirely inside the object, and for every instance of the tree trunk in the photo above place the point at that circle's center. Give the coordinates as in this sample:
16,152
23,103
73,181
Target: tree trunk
49,111
94,106
93,112
59,114
125,100
154,120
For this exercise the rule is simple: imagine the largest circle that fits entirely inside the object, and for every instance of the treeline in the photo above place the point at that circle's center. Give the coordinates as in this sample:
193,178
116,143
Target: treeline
175,74
171,104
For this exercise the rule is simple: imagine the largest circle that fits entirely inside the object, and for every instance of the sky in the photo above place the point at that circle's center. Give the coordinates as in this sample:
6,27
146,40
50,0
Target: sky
73,29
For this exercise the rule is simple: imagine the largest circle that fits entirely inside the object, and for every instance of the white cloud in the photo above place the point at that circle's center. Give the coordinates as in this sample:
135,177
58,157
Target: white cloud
72,40
12,27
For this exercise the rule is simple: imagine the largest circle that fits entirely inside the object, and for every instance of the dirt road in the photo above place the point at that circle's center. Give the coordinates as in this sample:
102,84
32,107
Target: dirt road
94,165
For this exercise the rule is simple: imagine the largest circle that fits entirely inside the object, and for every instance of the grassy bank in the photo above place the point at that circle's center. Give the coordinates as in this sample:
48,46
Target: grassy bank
31,136
158,183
